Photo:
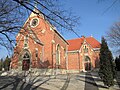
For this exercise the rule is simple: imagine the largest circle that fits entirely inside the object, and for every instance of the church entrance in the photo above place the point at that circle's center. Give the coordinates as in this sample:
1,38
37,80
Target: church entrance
26,62
87,66
87,63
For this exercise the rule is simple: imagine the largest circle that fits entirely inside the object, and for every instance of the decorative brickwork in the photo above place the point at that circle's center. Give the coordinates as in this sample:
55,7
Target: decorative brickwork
83,53
40,46
39,40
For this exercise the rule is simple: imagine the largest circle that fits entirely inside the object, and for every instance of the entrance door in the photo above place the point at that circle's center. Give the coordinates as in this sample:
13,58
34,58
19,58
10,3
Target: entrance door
87,63
87,66
26,65
26,62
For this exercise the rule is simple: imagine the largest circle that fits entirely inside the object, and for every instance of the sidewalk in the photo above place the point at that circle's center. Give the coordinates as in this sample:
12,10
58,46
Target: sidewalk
90,83
100,84
118,78
77,82
47,82
81,81
59,82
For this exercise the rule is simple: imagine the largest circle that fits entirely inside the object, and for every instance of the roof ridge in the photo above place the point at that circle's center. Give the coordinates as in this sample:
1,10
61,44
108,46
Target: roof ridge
73,39
93,38
76,43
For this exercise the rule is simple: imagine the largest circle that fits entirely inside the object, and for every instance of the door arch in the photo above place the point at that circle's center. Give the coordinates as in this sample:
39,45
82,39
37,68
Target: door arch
26,61
87,63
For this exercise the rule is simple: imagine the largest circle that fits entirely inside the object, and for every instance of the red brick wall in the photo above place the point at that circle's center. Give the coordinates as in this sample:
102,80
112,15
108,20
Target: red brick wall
73,61
63,46
45,35
73,58
94,56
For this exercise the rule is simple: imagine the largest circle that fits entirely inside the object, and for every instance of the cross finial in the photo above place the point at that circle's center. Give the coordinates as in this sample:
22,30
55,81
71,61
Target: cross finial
91,35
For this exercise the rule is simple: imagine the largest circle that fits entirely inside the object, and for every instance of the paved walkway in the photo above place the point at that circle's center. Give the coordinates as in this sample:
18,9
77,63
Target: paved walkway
82,81
100,84
90,83
118,78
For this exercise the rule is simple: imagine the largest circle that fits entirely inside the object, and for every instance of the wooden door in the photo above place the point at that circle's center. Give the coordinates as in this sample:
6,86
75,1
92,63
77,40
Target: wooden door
87,66
26,65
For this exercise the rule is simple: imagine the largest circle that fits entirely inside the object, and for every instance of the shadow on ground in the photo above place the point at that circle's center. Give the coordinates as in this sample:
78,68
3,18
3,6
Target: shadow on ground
90,81
118,78
66,83
17,83
28,82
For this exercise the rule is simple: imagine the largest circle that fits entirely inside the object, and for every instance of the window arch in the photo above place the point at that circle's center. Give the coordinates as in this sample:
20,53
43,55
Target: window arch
87,59
26,41
58,55
85,49
87,63
26,56
34,22
25,59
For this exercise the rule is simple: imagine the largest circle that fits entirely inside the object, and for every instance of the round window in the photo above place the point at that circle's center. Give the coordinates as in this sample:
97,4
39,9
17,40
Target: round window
34,22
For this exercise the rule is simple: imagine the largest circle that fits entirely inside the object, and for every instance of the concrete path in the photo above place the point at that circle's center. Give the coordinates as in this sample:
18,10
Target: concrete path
82,81
100,84
77,82
15,83
89,82
118,78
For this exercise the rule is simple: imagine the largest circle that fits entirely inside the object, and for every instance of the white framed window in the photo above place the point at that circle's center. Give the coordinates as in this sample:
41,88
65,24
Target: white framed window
85,49
26,38
58,54
36,52
34,22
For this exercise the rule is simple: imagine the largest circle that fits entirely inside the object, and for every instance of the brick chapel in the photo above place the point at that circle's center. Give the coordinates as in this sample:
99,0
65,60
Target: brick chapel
40,46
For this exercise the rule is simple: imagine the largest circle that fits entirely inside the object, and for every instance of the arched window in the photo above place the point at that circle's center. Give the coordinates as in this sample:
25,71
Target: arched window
87,59
85,49
34,22
36,52
58,55
26,56
26,41
64,52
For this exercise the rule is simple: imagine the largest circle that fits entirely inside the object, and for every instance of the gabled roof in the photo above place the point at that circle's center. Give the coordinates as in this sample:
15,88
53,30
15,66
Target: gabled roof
61,36
51,25
35,38
75,44
93,42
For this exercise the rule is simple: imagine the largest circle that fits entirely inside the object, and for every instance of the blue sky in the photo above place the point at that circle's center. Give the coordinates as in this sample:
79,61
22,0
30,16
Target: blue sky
92,20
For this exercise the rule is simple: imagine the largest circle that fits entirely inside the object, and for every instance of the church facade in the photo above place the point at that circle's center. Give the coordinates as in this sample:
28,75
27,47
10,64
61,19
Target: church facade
83,54
40,46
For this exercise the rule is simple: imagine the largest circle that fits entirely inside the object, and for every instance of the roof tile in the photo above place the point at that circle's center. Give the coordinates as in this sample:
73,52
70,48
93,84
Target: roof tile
75,44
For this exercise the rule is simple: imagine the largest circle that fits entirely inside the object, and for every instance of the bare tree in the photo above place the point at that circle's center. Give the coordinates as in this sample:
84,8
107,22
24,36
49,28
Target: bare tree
12,12
54,12
10,23
112,3
113,36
